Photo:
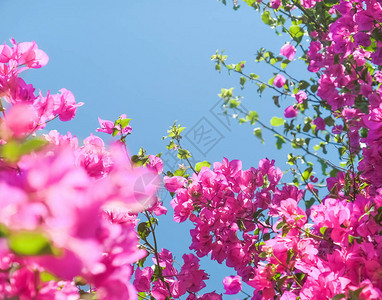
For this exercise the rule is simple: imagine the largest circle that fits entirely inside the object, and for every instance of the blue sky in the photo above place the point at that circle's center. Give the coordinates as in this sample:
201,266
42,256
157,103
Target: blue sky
151,60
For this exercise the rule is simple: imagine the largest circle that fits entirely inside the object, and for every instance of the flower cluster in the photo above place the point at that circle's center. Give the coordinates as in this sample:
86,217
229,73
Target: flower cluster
68,212
189,279
247,220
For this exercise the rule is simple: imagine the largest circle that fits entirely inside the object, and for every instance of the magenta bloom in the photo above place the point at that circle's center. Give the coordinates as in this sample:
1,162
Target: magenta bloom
109,127
174,184
301,96
337,129
68,105
142,281
320,123
21,120
288,51
376,57
106,126
365,20
155,164
290,112
232,284
279,81
275,4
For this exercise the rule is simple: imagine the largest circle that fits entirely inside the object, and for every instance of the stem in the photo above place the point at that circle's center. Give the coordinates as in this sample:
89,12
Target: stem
306,183
2,109
156,251
188,161
290,270
305,149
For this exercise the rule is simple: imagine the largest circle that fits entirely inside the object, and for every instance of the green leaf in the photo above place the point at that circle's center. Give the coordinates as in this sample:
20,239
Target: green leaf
13,151
258,134
143,230
262,87
183,154
351,239
263,255
266,236
242,80
35,144
233,103
199,165
296,32
46,276
285,63
331,3
276,100
303,84
290,254
124,122
29,243
354,295
322,230
266,17
4,231
339,296
280,225
115,132
253,76
306,174
238,66
275,121
241,225
310,202
253,117
180,172
280,140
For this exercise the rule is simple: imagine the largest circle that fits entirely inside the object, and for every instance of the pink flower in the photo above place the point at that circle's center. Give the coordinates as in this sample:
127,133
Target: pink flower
290,112
106,126
301,96
365,20
191,278
337,129
21,92
5,53
142,281
279,81
319,122
288,51
275,4
68,107
174,184
21,120
288,296
160,291
155,164
232,284
292,213
376,57
58,290
158,209
28,53
114,128
308,3
361,38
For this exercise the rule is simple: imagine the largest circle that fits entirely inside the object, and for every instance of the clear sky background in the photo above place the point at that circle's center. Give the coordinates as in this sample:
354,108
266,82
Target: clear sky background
151,60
